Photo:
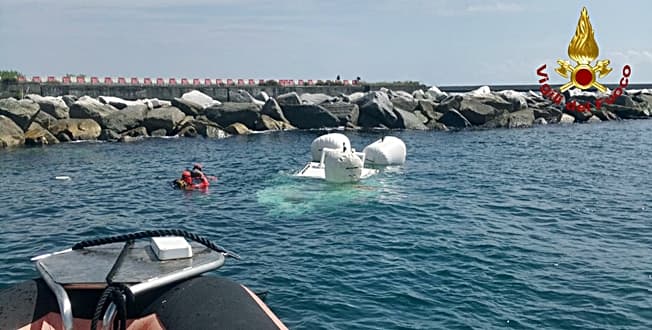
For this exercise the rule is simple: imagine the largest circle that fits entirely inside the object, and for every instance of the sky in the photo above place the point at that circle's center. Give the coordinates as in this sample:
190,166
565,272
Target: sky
436,42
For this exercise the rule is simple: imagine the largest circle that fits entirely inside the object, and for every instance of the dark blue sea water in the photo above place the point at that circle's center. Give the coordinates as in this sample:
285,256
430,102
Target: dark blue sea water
543,228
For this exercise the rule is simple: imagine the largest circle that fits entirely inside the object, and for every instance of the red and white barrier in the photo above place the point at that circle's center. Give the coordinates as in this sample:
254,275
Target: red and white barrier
173,81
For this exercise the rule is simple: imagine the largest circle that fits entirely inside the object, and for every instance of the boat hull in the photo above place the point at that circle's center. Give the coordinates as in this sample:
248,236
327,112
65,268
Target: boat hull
203,302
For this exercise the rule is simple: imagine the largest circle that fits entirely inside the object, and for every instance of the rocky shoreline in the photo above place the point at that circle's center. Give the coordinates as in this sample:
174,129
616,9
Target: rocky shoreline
39,120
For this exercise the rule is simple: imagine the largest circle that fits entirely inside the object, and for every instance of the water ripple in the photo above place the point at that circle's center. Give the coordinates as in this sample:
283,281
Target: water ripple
544,228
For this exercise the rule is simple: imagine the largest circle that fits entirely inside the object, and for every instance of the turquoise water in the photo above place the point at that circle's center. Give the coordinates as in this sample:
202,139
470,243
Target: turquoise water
543,228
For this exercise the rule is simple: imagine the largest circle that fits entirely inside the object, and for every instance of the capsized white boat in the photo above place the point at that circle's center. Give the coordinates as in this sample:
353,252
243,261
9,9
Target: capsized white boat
334,160
338,166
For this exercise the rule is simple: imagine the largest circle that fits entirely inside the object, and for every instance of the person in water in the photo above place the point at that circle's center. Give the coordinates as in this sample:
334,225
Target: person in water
200,178
192,180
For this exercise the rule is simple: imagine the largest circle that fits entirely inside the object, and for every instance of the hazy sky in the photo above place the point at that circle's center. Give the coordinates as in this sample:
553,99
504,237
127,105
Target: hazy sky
440,42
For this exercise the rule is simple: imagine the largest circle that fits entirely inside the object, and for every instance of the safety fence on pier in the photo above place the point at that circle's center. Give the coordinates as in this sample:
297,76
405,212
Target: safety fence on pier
69,80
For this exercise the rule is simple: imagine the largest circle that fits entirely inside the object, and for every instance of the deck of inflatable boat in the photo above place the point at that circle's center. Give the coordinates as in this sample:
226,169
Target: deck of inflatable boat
203,302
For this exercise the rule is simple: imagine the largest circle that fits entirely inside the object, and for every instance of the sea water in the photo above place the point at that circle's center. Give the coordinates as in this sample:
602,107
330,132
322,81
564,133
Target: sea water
541,228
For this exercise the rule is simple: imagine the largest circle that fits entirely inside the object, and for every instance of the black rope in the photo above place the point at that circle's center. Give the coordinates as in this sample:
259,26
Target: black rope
155,233
114,293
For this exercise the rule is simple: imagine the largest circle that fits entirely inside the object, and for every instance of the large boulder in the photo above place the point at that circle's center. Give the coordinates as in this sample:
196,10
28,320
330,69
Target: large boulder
44,119
605,115
345,112
188,107
76,129
453,102
376,109
188,131
267,123
422,118
580,116
496,101
540,121
517,99
273,109
202,100
36,135
310,116
625,100
237,129
133,134
480,91
262,96
593,119
89,108
477,113
126,119
21,112
437,126
291,98
419,95
228,113
69,100
11,135
354,98
167,118
550,114
427,108
436,94
119,103
642,98
242,96
535,97
566,119
318,98
54,106
109,135
208,129
404,101
156,103
409,120
521,119
453,118
625,112
518,119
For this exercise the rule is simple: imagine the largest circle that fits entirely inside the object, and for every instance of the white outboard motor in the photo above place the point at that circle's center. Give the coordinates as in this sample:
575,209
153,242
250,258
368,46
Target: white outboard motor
331,140
342,166
387,151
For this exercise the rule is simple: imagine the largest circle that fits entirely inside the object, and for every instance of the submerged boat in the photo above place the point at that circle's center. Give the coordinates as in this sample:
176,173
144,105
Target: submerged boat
117,281
334,160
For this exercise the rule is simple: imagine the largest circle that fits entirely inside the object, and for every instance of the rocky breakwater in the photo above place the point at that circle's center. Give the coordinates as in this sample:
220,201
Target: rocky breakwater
37,120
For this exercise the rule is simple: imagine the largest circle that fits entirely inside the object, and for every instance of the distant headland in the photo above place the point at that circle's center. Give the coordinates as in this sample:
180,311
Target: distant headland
47,110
